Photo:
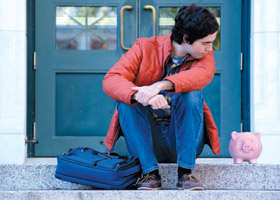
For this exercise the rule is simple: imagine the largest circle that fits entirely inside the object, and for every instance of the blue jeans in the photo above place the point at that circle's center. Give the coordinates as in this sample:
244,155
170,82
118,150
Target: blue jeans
178,140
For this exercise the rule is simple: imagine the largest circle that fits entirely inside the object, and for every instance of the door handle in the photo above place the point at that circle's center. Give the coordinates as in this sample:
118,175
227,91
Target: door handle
149,7
122,25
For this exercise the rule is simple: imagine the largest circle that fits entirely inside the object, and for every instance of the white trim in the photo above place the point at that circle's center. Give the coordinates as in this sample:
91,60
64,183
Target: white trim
252,114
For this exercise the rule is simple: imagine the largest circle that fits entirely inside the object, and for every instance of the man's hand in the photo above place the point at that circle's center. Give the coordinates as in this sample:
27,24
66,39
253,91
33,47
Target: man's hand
145,93
158,102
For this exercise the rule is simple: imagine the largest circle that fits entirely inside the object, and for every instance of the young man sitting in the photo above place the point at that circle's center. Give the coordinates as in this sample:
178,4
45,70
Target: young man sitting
160,108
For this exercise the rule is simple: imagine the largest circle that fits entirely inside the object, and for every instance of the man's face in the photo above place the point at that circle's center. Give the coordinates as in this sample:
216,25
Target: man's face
200,47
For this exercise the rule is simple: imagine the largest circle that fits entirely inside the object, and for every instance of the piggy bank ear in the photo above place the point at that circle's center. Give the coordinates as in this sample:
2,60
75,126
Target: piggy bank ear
258,135
234,135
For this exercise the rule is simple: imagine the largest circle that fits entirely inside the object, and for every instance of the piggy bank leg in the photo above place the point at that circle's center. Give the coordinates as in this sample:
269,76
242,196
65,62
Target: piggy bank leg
253,161
238,160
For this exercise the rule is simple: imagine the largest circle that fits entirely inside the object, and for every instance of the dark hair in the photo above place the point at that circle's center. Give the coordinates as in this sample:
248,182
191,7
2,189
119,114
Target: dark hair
194,21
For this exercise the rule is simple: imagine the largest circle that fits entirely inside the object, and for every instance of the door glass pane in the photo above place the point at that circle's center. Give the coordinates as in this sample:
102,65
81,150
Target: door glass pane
166,21
86,28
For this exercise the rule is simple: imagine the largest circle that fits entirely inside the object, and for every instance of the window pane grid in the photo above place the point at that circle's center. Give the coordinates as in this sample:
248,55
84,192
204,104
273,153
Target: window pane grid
86,28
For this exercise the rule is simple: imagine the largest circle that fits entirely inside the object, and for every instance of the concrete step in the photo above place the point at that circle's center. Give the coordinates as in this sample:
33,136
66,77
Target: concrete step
214,176
139,195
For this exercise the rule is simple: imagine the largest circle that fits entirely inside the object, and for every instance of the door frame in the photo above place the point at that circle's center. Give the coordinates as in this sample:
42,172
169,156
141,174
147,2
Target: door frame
245,73
30,82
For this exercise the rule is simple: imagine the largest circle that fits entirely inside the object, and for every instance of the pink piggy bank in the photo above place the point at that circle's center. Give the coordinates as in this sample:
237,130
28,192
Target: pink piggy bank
245,146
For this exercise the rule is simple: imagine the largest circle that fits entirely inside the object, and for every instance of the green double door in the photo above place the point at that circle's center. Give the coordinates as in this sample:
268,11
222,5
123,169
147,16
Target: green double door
77,42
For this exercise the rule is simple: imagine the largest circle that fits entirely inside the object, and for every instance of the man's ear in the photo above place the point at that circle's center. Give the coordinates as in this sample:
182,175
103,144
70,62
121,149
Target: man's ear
185,39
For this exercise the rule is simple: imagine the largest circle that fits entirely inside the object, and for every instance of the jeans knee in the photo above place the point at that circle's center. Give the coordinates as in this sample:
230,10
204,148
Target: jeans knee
120,105
125,108
190,98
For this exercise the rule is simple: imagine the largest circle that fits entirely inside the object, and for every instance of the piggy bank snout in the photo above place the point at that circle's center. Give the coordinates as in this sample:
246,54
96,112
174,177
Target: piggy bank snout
247,145
246,148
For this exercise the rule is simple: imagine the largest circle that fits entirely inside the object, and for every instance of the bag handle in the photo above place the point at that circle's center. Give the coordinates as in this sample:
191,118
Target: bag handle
101,154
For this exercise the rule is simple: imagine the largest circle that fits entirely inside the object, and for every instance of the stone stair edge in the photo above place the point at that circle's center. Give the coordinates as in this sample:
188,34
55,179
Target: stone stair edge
161,164
134,194
217,177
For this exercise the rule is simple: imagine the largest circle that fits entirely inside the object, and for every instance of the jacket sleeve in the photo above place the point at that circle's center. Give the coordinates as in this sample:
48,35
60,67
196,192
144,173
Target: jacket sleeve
197,77
119,80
